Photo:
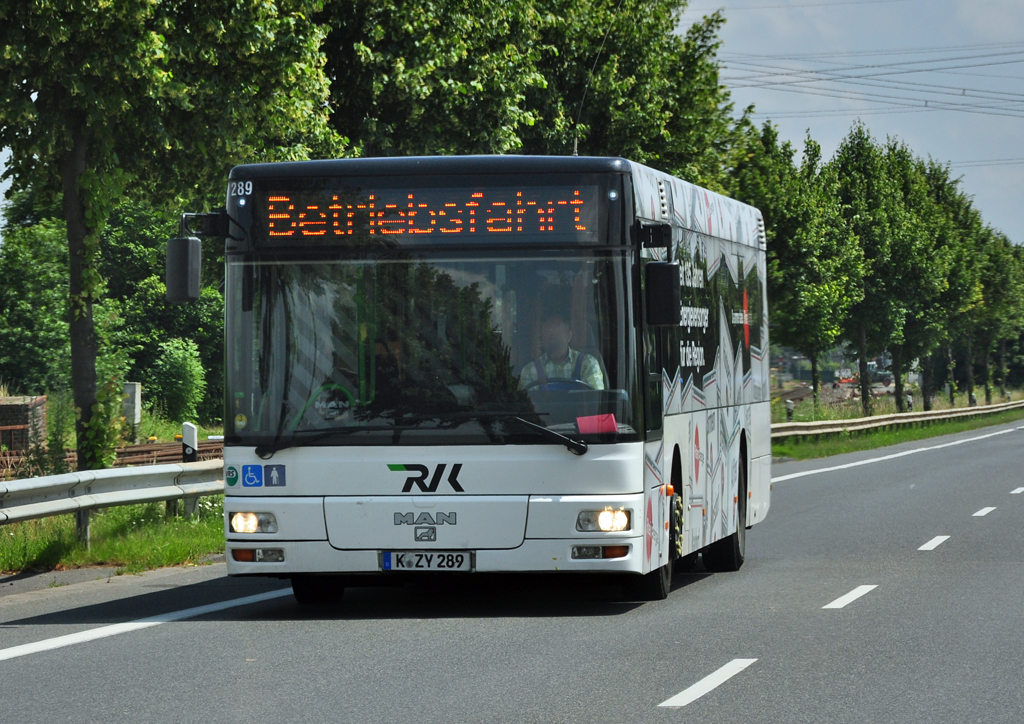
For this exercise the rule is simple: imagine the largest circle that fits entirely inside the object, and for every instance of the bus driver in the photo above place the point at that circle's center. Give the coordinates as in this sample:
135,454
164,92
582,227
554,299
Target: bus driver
560,363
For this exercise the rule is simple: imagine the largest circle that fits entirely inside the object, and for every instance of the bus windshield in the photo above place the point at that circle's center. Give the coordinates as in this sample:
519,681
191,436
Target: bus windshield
431,348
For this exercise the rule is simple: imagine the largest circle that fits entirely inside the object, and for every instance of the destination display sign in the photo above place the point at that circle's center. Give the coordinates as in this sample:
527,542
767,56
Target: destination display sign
431,215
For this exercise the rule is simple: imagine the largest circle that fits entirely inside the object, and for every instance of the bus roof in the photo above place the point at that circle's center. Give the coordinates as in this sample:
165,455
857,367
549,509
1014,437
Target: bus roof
658,197
403,165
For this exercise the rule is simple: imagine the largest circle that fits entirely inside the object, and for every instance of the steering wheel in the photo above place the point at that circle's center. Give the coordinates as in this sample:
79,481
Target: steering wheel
560,383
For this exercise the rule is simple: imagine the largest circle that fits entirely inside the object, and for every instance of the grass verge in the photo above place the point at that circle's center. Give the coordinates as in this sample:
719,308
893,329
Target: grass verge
132,538
869,440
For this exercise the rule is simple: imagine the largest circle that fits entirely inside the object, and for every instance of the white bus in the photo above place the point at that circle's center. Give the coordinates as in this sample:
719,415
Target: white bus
490,363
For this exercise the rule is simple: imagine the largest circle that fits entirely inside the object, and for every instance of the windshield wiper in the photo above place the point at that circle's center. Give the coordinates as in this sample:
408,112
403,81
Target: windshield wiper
576,447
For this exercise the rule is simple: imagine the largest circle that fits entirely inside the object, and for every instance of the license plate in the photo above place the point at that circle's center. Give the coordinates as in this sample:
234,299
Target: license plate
426,561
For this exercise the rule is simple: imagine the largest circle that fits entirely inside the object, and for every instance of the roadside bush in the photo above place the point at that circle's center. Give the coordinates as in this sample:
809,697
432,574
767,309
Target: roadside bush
176,379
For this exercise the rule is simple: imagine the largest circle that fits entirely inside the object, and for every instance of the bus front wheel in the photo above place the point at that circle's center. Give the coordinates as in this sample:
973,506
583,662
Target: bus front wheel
654,586
317,590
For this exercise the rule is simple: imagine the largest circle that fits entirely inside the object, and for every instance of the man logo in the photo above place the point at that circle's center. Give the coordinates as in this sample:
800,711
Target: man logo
425,519
425,534
420,479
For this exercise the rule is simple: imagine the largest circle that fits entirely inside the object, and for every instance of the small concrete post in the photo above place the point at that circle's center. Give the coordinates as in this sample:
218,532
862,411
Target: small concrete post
790,406
190,454
132,407
189,443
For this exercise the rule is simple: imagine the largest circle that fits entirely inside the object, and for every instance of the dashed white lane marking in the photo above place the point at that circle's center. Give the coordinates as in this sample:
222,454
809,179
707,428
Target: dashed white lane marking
805,473
983,511
1018,491
934,543
708,683
849,597
120,628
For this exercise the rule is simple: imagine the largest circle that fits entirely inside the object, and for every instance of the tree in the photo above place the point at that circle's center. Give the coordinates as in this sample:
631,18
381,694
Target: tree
449,76
177,379
654,95
419,77
814,262
868,201
999,317
35,354
160,97
919,267
132,259
957,226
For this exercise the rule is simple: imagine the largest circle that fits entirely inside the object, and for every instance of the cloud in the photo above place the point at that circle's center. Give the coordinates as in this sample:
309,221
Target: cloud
993,20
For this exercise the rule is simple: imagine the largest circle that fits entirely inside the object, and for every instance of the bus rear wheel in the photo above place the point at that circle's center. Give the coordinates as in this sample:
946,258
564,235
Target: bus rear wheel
317,590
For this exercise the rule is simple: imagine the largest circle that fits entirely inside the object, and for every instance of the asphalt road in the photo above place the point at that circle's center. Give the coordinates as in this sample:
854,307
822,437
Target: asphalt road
939,637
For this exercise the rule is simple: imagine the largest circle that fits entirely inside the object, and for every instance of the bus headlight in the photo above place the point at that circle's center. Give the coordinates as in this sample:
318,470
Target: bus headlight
608,521
253,523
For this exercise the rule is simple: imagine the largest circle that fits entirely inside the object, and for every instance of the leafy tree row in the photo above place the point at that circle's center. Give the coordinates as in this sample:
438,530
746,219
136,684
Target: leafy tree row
883,251
121,115
150,103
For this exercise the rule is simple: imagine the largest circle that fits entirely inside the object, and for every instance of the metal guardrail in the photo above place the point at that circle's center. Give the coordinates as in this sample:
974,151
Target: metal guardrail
834,427
83,491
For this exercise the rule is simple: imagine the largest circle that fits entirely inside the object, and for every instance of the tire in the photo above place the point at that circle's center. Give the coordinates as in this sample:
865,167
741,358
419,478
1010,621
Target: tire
686,564
727,554
655,586
317,590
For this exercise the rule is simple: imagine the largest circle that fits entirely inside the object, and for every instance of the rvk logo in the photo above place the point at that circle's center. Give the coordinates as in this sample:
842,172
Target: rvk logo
420,478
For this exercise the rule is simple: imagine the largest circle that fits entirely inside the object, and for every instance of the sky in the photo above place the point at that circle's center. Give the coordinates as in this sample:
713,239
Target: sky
944,76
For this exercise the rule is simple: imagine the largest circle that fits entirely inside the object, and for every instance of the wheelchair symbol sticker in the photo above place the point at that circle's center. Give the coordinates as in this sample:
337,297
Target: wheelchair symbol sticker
252,476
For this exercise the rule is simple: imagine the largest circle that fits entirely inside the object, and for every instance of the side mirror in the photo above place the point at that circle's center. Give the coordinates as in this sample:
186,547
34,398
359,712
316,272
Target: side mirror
661,286
184,260
656,236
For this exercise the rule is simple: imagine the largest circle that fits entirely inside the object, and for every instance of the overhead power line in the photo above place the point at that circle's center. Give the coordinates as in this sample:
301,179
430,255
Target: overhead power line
988,162
883,52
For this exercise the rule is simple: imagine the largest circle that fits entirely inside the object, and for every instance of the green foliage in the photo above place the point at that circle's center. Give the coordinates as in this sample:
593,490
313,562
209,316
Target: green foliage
132,538
133,261
423,77
154,423
35,353
176,379
871,440
815,266
157,97
654,96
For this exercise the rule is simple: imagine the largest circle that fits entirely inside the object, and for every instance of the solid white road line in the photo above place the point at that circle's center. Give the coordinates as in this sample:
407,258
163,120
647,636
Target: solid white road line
934,543
792,476
851,596
983,511
708,683
120,628
1018,491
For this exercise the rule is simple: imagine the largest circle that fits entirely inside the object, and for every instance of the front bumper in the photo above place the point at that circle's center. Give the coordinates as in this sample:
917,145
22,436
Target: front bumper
532,556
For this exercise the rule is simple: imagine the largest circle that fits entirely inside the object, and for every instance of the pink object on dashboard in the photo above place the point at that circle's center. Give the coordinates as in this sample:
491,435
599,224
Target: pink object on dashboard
597,424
